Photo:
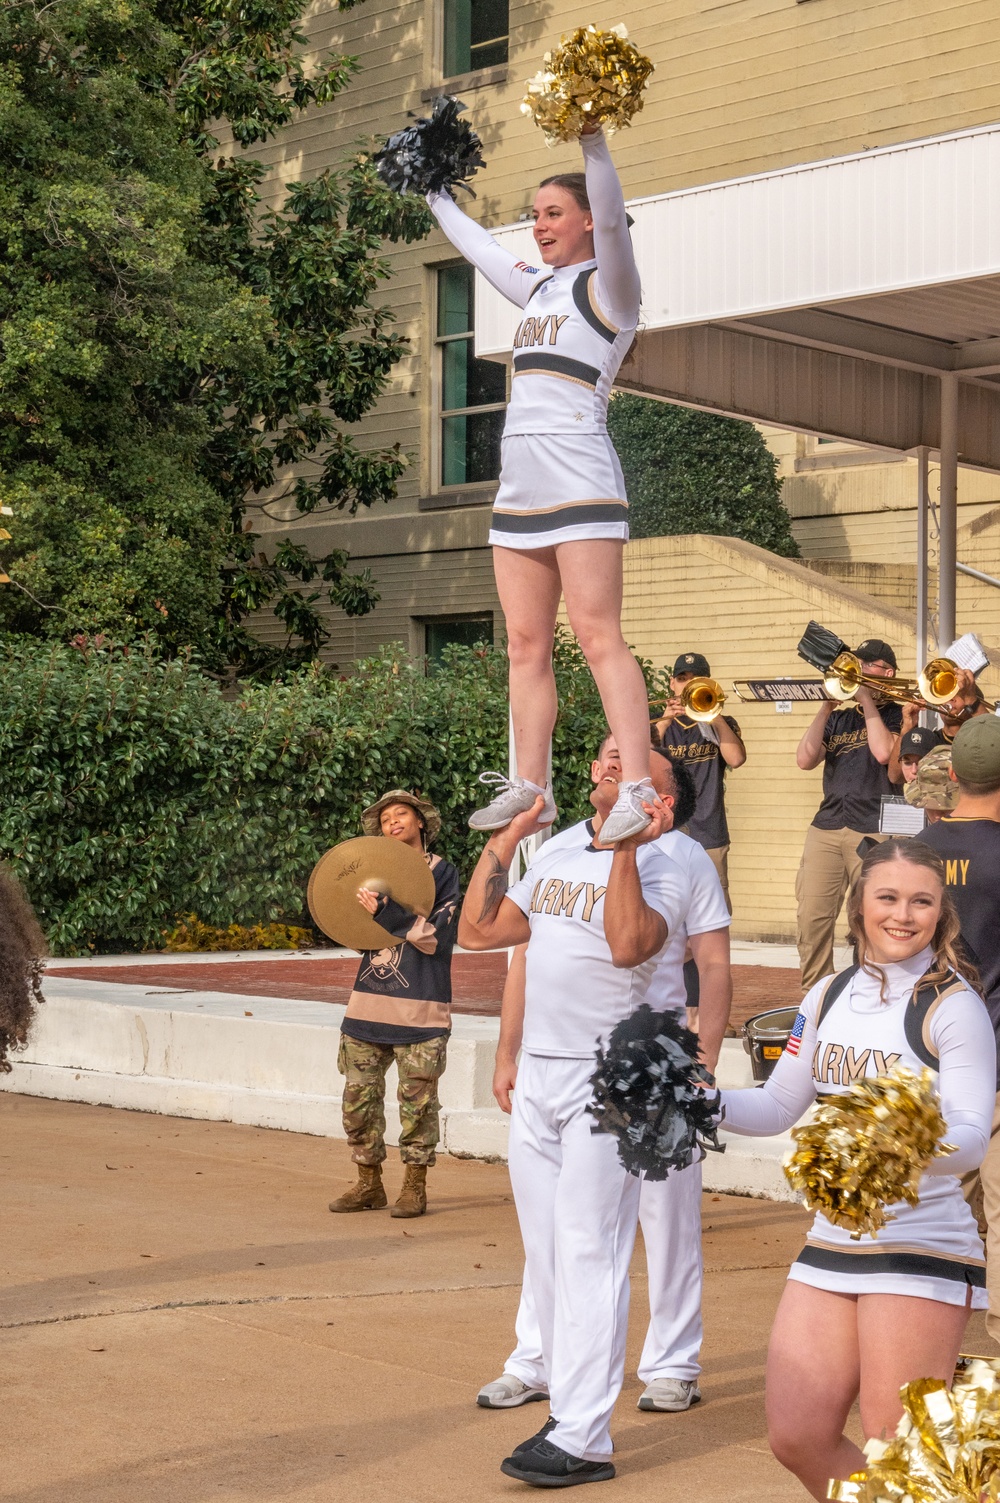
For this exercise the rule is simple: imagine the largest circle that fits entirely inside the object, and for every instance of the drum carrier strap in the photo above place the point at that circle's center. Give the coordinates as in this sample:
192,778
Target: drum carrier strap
834,987
924,1003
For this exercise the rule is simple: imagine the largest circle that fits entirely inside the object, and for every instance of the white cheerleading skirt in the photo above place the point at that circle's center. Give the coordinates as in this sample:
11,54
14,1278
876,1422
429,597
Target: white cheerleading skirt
929,1251
558,488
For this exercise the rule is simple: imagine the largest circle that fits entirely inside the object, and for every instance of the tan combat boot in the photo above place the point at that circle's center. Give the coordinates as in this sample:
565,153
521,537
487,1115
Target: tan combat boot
413,1196
367,1195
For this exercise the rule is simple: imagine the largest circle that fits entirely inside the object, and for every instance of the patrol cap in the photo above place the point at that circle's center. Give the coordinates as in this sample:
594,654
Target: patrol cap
975,751
932,788
691,662
917,743
874,650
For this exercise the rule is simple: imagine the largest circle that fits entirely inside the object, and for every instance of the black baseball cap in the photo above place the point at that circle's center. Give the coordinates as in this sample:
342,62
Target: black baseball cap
872,650
691,662
917,743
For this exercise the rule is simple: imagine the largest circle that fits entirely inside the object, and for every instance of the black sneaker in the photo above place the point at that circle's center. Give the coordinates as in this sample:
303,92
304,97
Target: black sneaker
541,1434
546,1465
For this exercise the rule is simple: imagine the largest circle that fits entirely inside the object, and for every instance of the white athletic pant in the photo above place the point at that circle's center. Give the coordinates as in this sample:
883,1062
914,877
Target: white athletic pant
670,1217
578,1211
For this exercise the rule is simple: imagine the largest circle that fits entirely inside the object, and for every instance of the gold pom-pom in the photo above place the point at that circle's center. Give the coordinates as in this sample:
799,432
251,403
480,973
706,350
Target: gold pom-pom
947,1445
867,1149
592,78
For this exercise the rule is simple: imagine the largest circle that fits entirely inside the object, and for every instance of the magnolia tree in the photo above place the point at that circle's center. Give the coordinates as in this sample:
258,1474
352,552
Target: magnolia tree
168,349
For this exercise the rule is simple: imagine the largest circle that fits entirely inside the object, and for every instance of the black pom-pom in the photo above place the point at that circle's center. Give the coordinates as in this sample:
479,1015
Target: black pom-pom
433,155
819,646
647,1092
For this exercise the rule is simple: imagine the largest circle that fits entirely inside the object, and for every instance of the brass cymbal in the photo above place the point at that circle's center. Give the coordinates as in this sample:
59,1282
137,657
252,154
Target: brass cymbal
375,861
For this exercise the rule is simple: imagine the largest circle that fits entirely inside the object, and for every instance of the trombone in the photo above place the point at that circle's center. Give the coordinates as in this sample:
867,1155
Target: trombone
938,683
701,698
934,686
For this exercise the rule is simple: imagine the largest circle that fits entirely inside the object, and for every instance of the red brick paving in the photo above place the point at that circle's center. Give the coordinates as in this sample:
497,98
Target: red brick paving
477,981
758,987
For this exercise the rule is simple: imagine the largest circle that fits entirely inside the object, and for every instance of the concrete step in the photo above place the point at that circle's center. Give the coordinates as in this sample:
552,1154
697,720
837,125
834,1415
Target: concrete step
272,1062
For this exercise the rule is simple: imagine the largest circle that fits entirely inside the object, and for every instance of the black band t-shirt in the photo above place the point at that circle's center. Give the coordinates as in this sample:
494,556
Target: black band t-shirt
683,741
402,993
853,781
970,850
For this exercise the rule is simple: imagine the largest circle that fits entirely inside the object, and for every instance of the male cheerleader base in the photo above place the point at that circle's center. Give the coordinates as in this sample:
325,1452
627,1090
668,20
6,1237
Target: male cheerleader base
560,479
670,1209
576,1204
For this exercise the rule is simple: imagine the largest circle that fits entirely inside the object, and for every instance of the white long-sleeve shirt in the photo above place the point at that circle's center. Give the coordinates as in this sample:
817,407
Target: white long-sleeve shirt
569,349
861,1037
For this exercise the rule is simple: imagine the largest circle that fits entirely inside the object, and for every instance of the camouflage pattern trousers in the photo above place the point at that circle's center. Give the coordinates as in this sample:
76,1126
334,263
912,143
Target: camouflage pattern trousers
364,1067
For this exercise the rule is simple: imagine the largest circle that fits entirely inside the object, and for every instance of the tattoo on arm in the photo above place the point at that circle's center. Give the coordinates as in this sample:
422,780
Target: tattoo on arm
495,887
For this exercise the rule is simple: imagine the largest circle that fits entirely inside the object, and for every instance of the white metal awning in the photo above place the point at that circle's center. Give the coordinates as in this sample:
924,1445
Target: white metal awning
829,297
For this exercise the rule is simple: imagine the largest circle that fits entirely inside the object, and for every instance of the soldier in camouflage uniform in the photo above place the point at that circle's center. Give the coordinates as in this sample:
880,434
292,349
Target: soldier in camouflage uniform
399,1010
933,789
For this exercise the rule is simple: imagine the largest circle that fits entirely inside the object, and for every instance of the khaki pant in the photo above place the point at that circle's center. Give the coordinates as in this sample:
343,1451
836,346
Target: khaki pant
982,1191
830,863
720,860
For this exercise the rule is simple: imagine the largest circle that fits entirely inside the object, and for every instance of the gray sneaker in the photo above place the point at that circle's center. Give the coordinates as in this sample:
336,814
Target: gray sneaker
508,1392
628,817
513,796
670,1395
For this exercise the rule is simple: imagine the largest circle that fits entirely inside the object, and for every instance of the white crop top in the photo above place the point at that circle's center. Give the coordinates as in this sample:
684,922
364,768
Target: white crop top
861,1037
579,321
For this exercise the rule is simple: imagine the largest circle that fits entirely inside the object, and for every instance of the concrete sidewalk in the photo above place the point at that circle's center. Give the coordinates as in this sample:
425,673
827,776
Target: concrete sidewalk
181,1320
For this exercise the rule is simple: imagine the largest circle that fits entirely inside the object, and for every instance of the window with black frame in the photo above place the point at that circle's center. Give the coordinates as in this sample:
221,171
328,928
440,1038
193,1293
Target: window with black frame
475,35
473,392
442,632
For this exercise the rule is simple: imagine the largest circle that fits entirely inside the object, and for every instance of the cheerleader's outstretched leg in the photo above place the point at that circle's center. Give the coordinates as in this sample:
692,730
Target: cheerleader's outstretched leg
591,576
529,588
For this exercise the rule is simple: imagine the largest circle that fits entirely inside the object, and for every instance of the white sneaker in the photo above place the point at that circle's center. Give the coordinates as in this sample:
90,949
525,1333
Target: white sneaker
628,817
513,796
670,1395
508,1392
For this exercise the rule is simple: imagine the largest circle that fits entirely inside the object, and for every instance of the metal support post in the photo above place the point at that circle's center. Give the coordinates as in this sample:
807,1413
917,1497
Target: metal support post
923,500
923,605
948,516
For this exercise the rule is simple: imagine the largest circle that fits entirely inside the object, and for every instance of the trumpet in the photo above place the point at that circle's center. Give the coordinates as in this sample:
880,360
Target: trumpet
701,698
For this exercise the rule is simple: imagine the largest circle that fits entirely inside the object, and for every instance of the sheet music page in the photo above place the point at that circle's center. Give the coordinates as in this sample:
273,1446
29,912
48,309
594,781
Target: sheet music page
897,817
967,652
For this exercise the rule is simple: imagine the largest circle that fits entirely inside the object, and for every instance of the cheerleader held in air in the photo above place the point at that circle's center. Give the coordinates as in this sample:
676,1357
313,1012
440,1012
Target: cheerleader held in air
560,518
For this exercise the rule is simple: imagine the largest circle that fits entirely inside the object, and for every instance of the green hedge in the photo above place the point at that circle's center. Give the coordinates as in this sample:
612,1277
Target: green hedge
134,792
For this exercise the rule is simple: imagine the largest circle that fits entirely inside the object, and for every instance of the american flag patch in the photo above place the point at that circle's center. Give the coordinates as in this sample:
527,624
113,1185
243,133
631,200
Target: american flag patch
531,270
795,1037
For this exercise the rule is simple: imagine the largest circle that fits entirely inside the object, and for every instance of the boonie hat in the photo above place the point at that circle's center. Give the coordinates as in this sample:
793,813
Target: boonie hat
873,650
432,819
975,751
932,788
691,662
917,743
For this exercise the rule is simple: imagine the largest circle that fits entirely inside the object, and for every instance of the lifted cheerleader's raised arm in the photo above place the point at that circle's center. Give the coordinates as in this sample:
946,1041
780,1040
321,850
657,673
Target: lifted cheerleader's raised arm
560,518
